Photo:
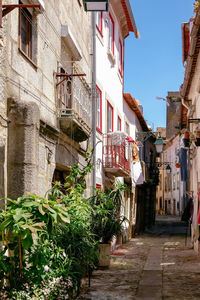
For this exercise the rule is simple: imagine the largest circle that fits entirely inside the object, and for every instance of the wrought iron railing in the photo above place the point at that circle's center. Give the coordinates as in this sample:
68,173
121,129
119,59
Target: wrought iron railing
74,100
116,152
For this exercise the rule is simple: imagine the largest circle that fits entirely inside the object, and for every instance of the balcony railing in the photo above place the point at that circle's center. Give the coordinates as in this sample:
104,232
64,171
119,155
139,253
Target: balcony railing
75,107
116,154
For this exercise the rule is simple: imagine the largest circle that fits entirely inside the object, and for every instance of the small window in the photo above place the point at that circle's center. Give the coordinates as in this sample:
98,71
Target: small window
127,129
99,109
65,92
178,181
120,58
26,33
99,22
174,181
111,34
119,124
109,117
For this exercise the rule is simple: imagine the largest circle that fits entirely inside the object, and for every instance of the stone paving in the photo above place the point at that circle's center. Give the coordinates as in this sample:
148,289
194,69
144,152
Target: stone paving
157,265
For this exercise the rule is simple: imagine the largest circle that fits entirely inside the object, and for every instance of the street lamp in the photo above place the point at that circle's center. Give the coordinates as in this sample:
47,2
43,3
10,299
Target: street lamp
168,169
159,143
96,5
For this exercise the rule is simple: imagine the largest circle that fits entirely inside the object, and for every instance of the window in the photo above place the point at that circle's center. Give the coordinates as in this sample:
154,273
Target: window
178,181
120,58
127,129
99,22
65,92
111,34
166,183
119,124
109,117
99,109
26,33
169,182
174,181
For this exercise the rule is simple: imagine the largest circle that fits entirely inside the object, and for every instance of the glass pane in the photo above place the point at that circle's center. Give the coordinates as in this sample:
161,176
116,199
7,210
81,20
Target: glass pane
109,119
99,20
98,109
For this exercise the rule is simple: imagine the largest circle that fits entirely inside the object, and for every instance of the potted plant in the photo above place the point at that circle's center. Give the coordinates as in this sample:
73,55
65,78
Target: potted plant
106,221
177,165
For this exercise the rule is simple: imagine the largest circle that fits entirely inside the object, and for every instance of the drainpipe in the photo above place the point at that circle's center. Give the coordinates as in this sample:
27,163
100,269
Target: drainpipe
94,105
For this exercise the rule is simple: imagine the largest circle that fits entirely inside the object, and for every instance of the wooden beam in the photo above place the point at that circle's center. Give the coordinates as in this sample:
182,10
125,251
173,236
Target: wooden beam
9,7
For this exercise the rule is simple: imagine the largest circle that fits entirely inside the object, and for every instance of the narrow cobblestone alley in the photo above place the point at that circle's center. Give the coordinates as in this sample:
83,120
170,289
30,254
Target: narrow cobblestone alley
159,264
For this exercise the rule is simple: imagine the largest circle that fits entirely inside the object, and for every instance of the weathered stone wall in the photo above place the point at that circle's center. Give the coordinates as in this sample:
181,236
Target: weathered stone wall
34,137
23,141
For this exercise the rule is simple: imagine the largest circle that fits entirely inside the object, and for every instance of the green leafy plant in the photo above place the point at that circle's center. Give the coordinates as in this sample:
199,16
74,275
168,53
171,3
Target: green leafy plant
106,220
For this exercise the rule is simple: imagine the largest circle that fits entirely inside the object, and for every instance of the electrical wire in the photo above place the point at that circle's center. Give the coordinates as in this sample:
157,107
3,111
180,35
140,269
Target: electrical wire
29,92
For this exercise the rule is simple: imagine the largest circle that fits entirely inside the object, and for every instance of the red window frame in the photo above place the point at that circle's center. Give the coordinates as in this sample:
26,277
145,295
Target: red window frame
100,29
112,114
120,58
99,128
98,187
113,34
119,121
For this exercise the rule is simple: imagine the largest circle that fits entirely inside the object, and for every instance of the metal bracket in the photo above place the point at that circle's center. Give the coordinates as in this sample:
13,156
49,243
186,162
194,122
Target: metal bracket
66,76
194,120
7,8
145,135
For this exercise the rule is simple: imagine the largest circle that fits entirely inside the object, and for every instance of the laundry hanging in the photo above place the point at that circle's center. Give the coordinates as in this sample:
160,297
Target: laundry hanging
183,162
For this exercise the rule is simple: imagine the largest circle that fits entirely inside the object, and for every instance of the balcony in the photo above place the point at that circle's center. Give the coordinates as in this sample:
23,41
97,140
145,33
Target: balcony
75,107
116,154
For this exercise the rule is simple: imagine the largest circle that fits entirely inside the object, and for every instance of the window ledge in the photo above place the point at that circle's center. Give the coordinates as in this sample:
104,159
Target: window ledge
120,76
99,36
28,59
99,130
68,37
111,57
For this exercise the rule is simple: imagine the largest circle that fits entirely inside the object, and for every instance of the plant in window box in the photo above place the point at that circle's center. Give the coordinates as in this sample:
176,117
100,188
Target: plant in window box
106,221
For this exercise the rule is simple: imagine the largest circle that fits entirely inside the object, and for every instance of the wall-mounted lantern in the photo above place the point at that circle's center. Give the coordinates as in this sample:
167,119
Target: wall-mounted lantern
96,5
159,143
168,169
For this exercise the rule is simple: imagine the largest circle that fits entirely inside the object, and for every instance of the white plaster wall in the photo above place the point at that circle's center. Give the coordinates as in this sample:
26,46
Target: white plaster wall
170,155
132,119
108,77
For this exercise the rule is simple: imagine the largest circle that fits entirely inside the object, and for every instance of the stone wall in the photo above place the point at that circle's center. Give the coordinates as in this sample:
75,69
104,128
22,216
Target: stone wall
28,96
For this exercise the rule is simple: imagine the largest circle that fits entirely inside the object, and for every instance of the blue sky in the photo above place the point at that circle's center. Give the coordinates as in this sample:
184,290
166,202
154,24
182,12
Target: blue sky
153,63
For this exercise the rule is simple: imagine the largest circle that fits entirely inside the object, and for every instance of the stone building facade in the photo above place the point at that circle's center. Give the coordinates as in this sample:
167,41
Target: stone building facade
45,114
191,98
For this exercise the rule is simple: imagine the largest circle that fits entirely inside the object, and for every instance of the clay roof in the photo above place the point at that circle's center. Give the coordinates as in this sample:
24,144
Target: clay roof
125,15
192,55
